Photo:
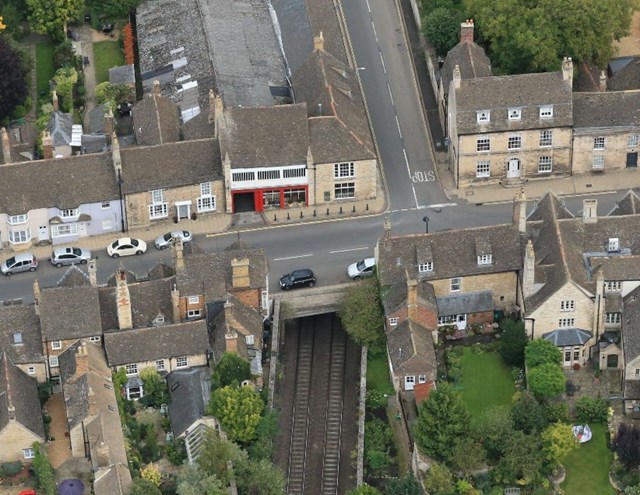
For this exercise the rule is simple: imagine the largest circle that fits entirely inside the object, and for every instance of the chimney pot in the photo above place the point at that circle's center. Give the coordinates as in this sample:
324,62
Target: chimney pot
6,145
123,301
466,31
54,100
47,145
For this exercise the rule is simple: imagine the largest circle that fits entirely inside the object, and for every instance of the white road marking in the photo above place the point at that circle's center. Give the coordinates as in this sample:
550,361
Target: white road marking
293,257
383,66
375,33
368,7
361,248
390,95
442,205
398,125
406,160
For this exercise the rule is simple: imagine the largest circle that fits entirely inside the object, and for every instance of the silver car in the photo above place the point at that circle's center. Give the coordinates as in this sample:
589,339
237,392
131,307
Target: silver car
361,269
22,262
69,256
164,241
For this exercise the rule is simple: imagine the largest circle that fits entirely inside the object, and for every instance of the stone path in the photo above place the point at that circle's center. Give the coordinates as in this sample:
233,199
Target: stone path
87,39
60,449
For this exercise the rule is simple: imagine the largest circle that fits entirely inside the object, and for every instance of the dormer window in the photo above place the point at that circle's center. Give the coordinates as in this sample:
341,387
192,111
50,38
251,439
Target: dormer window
17,338
425,267
483,116
546,111
159,320
614,245
515,113
69,213
484,259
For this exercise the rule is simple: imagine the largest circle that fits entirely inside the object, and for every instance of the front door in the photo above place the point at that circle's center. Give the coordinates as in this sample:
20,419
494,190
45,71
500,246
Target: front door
632,160
183,209
409,382
461,322
612,361
82,229
43,233
567,356
513,168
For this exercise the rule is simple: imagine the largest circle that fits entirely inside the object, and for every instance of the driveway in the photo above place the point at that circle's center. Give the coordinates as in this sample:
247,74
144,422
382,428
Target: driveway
87,39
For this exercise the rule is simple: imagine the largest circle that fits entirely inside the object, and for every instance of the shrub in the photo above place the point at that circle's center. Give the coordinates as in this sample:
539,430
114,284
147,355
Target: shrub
376,399
10,469
546,380
177,452
43,471
540,352
556,413
513,340
591,410
127,36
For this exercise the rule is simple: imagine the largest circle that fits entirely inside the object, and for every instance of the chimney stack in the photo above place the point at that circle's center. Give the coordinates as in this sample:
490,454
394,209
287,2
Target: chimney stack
47,145
6,145
212,106
123,300
602,86
318,42
177,253
82,359
92,268
240,273
589,210
457,77
54,100
529,273
520,211
567,71
466,31
219,113
412,299
115,154
156,88
175,303
108,124
36,296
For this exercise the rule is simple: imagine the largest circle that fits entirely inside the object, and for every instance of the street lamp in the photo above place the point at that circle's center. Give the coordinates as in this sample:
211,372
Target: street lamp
426,221
122,206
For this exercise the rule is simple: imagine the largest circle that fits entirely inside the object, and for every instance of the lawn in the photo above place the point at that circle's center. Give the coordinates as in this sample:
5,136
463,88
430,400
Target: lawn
106,54
588,466
44,66
486,381
378,374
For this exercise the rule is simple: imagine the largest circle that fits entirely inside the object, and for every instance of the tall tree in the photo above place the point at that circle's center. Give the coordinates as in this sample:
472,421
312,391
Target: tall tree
14,88
114,8
442,420
143,487
522,460
528,414
361,314
259,478
52,16
216,453
193,481
547,380
438,480
364,490
238,410
627,445
406,485
512,343
541,351
441,27
558,442
534,35
231,370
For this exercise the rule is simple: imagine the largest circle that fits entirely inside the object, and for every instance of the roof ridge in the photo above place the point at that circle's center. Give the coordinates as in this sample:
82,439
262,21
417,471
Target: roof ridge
563,255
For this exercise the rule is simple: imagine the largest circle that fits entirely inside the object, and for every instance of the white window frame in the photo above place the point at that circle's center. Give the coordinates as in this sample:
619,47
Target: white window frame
160,365
29,453
106,205
546,111
31,370
182,362
56,345
485,259
158,210
19,236
515,113
157,196
447,320
483,144
483,168
613,286
514,142
612,318
17,219
206,201
393,322
194,313
546,138
69,213
483,116
95,338
53,362
243,176
131,369
344,170
250,340
64,229
567,305
545,164
344,190
17,338
425,267
632,141
194,299
455,284
566,323
422,378
598,143
597,162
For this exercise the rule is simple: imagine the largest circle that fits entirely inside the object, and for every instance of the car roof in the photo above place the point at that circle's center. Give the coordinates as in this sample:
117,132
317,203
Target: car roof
369,261
303,272
63,250
23,256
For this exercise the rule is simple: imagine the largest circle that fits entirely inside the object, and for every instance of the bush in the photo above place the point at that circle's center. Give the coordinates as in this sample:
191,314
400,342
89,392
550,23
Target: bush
177,452
376,399
556,413
513,340
43,471
590,410
10,469
547,380
540,352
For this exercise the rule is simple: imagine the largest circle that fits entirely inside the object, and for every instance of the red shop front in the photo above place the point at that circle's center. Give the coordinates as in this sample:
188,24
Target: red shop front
268,199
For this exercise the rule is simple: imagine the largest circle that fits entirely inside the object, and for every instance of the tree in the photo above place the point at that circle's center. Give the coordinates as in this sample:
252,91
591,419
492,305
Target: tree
238,410
406,485
143,487
259,478
231,370
14,88
441,27
155,388
266,432
112,94
522,459
364,490
528,414
65,79
438,480
627,445
64,54
151,473
494,426
534,36
589,410
468,455
51,16
558,442
192,481
632,490
43,471
361,314
442,420
114,8
216,453
547,380
541,351
378,438
512,343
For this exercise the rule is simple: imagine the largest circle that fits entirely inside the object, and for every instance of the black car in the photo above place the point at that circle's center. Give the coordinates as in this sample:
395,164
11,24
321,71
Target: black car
298,278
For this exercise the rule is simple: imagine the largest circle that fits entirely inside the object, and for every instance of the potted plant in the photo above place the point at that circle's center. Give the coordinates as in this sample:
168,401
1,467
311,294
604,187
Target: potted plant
576,366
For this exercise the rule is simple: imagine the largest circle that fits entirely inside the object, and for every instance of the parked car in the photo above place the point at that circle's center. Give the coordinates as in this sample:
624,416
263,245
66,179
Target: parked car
22,262
164,241
69,256
126,246
361,269
298,278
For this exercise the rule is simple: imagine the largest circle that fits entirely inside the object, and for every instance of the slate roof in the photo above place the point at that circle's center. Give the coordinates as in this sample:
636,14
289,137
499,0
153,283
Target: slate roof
628,205
394,296
189,338
606,109
469,302
626,77
96,119
22,138
265,136
19,390
322,18
631,326
64,183
189,390
170,165
156,121
210,274
452,252
499,93
149,298
124,74
59,126
198,127
113,481
330,89
631,389
73,277
23,320
69,313
563,337
470,58
411,349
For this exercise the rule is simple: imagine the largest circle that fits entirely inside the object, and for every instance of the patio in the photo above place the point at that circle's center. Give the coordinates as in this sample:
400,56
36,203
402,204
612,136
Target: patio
584,383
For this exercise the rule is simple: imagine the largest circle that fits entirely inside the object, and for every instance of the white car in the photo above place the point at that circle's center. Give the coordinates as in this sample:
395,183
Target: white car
164,241
126,246
361,269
